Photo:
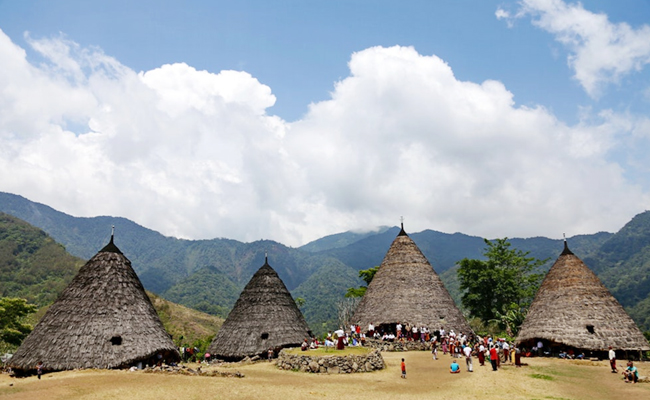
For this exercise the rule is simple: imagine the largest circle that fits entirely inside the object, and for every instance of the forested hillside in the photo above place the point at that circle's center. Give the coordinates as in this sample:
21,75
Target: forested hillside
32,265
209,274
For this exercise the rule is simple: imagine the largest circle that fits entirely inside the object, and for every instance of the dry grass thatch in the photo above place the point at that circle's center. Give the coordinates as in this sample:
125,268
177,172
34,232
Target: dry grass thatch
573,308
406,289
103,319
265,316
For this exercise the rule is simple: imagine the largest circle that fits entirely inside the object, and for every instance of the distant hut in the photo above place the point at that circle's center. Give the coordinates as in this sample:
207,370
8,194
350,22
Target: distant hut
573,309
264,317
406,289
103,319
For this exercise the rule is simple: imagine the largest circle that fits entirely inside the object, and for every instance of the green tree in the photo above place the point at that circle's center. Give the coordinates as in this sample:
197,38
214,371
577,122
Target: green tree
506,281
511,319
300,302
12,329
366,275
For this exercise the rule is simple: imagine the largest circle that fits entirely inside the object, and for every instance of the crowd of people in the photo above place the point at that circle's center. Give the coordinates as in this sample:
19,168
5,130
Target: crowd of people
496,351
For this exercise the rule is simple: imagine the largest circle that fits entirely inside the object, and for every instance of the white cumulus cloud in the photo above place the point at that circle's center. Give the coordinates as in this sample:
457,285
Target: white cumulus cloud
601,52
195,154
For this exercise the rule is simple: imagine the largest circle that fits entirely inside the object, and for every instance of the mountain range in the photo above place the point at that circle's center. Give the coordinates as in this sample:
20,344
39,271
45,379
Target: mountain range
208,275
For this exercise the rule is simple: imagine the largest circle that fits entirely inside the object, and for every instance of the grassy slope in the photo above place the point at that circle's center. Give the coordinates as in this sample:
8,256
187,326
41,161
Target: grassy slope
184,322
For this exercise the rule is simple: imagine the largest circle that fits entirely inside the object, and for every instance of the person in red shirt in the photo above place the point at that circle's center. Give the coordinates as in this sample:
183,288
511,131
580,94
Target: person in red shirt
494,356
403,369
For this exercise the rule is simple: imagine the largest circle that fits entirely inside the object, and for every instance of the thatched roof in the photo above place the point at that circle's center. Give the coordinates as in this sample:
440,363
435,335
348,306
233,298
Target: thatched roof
265,316
103,319
406,289
573,308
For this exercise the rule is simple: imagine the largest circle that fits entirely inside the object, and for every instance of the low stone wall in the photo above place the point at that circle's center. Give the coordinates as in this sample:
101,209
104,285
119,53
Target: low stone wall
398,346
333,364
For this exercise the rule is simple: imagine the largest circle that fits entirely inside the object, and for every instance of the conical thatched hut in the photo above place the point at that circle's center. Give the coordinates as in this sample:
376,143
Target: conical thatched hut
103,319
265,316
406,289
573,309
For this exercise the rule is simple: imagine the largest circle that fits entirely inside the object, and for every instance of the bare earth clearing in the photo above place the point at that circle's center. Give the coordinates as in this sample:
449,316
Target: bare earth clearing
542,379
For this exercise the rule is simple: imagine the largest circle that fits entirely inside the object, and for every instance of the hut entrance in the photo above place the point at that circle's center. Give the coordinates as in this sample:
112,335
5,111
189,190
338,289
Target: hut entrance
265,336
387,328
590,329
116,340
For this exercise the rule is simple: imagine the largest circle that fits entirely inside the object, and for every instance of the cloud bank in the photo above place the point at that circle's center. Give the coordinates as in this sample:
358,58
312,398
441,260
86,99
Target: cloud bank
195,154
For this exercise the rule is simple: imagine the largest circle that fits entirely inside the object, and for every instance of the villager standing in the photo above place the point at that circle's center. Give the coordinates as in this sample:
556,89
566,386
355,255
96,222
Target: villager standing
494,357
340,335
39,369
517,356
468,357
434,348
612,360
481,354
403,365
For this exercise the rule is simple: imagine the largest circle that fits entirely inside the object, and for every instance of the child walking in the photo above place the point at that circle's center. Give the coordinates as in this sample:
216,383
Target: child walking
403,369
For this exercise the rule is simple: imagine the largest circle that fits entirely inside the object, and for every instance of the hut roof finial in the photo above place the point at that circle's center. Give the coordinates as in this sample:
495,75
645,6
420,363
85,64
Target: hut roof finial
566,247
111,247
402,232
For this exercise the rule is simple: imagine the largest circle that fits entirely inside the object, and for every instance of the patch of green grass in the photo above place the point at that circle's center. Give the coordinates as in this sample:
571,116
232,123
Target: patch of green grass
542,376
564,372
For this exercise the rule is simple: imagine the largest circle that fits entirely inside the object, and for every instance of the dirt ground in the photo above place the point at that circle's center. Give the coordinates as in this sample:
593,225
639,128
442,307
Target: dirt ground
426,378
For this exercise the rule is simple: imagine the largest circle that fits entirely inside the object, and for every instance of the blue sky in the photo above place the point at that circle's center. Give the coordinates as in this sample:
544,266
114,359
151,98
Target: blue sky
556,64
300,48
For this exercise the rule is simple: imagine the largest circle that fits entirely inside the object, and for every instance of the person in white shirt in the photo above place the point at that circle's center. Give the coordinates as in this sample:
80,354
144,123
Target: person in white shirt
468,358
481,354
612,360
